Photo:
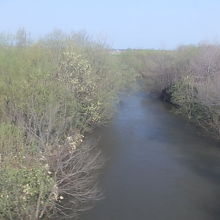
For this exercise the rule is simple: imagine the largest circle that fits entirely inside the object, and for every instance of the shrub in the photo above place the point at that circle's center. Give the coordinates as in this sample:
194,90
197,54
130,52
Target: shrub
190,74
52,93
26,193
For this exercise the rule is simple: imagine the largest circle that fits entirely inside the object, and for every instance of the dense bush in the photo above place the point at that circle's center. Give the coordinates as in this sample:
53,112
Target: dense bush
26,193
190,75
52,93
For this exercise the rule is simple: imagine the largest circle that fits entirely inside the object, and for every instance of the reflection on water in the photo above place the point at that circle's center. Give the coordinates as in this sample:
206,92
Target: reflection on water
159,167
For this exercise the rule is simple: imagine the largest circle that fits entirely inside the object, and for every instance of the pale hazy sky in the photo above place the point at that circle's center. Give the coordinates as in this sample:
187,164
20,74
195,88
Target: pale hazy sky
123,23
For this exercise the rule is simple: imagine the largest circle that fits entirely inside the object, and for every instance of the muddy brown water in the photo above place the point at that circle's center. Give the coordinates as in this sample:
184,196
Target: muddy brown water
159,167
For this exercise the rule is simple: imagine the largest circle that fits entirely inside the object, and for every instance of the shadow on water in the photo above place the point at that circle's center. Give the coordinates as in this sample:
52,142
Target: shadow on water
160,167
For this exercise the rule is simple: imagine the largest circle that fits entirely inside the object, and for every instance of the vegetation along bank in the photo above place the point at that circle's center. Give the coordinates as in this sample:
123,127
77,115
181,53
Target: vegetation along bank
53,93
188,77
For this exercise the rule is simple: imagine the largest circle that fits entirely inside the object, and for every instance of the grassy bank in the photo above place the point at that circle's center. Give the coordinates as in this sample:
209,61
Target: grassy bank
53,92
188,77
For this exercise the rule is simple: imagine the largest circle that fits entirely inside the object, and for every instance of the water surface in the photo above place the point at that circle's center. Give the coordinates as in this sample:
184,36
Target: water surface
159,166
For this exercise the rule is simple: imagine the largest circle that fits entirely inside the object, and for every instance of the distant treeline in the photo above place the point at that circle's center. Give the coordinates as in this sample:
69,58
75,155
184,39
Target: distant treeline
188,77
53,92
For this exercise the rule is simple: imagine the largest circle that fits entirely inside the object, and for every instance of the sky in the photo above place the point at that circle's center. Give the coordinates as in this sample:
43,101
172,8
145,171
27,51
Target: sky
147,24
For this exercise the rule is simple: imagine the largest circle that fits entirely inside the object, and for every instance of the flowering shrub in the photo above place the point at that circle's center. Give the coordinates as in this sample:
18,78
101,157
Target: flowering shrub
25,193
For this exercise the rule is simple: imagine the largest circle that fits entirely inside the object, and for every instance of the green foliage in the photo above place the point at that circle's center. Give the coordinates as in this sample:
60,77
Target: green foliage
51,92
75,72
11,140
184,95
25,192
190,73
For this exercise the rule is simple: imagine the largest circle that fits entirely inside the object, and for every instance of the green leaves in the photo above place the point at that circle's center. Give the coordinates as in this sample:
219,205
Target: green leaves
51,93
21,188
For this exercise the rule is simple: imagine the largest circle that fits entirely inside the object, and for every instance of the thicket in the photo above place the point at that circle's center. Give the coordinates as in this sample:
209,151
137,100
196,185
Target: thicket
188,77
53,92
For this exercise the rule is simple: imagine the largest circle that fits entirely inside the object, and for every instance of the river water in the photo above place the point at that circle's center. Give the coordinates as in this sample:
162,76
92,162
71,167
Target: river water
159,166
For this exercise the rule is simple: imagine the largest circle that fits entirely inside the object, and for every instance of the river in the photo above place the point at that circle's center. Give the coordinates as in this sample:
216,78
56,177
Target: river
159,167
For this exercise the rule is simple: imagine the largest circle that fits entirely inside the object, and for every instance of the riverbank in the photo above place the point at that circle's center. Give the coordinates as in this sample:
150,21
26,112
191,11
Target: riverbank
188,77
52,93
